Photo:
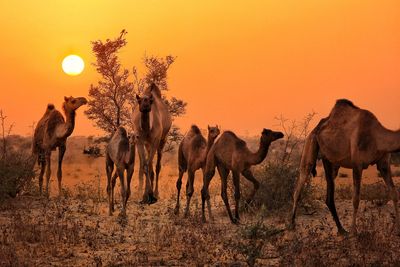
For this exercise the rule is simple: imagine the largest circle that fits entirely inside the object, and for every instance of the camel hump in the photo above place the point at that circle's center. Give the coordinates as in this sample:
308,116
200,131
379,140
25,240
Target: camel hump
153,88
345,102
195,129
121,130
50,107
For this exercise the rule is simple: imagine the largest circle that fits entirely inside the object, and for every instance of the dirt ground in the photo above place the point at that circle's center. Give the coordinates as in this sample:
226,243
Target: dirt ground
77,231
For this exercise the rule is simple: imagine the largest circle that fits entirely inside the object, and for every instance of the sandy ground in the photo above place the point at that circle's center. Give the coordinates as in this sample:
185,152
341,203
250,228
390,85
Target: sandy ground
77,231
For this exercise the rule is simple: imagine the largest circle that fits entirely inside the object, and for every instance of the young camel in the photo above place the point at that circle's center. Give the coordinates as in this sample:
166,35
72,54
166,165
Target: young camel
230,153
192,156
352,138
121,152
51,132
152,122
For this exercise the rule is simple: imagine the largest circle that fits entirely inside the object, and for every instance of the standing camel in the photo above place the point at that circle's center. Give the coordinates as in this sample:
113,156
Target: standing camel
51,132
121,152
151,122
230,153
352,138
192,156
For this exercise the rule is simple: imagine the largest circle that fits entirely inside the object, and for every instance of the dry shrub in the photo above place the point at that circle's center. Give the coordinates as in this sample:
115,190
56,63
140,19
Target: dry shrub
277,183
278,175
16,174
374,245
376,193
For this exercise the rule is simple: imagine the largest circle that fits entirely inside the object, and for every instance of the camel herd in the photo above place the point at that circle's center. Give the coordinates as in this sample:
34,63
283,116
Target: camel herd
349,137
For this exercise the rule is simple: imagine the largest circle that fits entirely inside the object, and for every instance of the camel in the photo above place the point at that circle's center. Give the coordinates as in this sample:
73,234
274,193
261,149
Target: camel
121,152
151,123
51,132
192,156
230,153
353,138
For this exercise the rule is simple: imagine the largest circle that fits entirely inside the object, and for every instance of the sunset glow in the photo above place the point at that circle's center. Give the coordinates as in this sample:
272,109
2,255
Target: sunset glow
239,63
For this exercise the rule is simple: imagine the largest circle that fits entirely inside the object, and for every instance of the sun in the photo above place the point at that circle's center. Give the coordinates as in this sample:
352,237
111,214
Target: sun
73,65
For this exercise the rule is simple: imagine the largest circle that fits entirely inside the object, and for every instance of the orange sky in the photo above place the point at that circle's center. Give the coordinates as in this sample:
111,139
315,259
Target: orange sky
240,63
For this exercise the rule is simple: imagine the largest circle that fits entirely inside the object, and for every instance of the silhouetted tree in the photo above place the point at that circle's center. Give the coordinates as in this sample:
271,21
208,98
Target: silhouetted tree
112,100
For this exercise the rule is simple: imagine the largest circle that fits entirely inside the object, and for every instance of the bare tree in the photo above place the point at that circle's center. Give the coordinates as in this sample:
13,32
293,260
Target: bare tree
295,134
111,100
5,131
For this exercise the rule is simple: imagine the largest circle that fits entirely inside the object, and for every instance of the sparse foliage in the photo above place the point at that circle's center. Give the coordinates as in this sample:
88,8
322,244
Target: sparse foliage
278,175
112,100
295,134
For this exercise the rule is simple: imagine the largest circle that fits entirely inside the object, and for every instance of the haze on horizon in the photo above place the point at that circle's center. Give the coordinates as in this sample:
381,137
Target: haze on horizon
239,64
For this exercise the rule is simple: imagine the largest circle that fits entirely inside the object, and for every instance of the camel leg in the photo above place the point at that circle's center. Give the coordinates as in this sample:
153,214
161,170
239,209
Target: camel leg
205,195
236,183
256,185
209,207
61,152
330,194
357,174
178,187
42,169
223,172
129,175
123,190
304,176
384,169
308,161
182,169
109,170
158,166
148,196
142,160
48,171
113,182
189,191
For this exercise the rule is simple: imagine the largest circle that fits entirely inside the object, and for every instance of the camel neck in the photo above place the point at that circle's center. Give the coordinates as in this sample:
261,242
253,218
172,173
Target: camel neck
210,142
69,123
259,156
388,140
145,122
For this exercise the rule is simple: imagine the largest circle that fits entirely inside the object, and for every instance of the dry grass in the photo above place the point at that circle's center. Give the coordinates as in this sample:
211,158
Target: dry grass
77,230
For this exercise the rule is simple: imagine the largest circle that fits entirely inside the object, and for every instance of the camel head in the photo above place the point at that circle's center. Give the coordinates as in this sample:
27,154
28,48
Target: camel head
268,136
73,103
145,102
213,132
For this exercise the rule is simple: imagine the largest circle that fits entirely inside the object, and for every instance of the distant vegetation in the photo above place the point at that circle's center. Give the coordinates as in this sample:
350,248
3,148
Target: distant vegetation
16,162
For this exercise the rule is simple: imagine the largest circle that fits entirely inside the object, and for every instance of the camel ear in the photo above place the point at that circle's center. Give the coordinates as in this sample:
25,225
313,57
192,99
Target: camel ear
208,127
66,98
138,98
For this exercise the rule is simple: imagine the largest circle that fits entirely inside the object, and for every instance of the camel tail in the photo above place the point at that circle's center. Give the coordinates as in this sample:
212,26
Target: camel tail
310,155
36,152
210,163
314,169
182,163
